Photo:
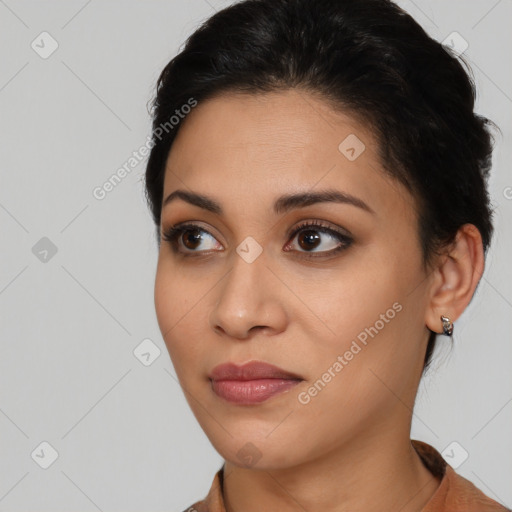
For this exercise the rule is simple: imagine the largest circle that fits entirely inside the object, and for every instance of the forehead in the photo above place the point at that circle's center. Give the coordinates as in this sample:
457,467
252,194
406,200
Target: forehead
239,147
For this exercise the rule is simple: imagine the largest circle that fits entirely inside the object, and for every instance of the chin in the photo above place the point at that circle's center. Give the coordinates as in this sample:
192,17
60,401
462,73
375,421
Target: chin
258,451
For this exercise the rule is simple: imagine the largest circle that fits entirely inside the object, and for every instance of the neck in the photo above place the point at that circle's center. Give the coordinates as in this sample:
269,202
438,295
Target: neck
372,473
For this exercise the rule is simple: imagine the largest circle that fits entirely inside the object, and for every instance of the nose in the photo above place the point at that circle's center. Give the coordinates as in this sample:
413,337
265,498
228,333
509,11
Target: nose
250,299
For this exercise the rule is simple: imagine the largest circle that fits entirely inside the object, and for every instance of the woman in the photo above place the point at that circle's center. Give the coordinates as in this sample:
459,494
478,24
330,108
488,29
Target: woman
321,217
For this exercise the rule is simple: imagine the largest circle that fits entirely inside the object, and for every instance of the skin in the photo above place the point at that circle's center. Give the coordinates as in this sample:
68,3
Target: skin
351,442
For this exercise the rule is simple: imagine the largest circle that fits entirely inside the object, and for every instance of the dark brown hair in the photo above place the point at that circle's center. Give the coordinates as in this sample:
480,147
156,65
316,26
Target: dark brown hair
368,57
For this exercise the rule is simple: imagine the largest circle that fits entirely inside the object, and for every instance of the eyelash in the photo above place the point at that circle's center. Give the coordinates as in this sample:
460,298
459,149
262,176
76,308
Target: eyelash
172,234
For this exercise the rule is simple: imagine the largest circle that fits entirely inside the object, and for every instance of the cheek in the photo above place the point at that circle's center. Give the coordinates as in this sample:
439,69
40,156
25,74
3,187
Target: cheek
165,299
352,304
364,329
357,373
178,308
176,295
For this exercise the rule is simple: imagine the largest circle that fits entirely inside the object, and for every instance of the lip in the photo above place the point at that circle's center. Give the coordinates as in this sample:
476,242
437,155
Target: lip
253,370
251,383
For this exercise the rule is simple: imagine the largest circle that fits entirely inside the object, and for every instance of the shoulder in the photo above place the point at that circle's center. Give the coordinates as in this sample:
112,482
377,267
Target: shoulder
465,496
214,501
455,493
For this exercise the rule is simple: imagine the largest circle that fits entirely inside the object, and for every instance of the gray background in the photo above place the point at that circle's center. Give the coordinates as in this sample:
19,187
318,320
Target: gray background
125,437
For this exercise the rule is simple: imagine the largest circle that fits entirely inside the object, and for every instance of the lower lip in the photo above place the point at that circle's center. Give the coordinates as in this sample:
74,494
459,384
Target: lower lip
251,391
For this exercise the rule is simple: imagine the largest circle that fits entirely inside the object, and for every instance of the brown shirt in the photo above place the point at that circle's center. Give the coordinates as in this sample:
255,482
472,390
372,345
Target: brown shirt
454,494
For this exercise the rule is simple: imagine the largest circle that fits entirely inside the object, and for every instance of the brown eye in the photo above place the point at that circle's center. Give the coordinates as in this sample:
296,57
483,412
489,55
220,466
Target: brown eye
188,238
309,239
315,235
191,238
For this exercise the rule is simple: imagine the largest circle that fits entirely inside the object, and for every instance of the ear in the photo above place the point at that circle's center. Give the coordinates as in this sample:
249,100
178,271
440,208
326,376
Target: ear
455,279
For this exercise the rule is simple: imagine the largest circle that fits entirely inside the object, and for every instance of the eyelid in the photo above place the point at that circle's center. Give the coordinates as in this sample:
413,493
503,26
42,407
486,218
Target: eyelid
174,232
191,224
320,225
345,238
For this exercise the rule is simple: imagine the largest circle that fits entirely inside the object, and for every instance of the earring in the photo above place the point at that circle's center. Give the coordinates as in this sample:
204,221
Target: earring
447,326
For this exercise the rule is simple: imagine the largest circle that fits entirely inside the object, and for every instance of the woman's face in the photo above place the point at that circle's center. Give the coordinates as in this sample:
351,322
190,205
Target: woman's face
350,323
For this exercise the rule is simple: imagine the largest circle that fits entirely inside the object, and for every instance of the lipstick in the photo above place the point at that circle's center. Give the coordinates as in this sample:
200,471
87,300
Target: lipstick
251,383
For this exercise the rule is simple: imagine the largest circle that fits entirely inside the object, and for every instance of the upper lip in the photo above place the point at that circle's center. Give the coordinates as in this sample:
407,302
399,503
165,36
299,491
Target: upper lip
251,371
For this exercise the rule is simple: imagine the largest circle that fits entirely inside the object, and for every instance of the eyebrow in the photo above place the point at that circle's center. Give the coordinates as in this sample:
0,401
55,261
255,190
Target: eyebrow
282,204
